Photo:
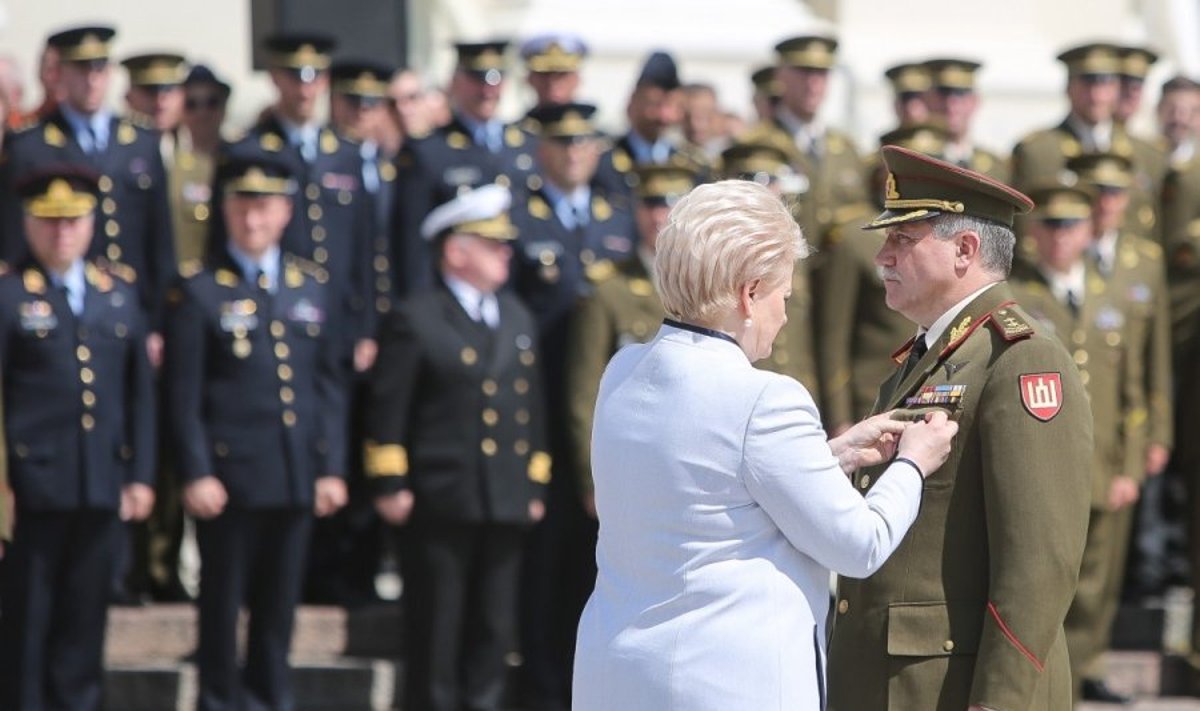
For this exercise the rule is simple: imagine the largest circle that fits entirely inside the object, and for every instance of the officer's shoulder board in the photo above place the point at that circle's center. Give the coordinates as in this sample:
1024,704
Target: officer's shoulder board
1010,324
1150,249
304,266
190,268
120,270
600,271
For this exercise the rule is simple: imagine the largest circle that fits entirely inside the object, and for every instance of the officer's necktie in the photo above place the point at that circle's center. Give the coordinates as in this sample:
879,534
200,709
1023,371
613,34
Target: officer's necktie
915,354
88,140
1073,303
579,214
73,300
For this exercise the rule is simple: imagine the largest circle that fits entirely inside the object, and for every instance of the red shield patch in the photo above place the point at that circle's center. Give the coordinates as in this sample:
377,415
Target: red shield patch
1042,394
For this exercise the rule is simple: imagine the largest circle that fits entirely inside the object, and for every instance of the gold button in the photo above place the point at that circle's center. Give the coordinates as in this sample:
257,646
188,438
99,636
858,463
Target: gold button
383,305
780,357
344,197
1113,339
286,395
522,417
89,398
314,212
1084,377
1079,338
88,422
289,418
489,387
843,607
520,386
312,192
318,234
86,376
105,183
948,645
277,329
527,357
121,329
112,229
83,354
864,482
521,447
313,330
381,263
109,206
383,284
1081,357
587,256
490,417
22,451
200,212
113,252
221,449
281,351
320,255
488,446
468,356
285,372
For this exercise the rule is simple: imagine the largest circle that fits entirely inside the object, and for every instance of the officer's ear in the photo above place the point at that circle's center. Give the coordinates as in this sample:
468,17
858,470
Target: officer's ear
967,247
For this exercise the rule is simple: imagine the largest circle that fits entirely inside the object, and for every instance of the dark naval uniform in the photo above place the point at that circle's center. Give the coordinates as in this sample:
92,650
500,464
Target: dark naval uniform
256,399
616,169
133,224
969,609
79,409
433,170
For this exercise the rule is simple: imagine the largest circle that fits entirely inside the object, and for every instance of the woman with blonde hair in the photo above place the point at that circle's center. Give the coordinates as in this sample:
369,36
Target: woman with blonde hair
723,506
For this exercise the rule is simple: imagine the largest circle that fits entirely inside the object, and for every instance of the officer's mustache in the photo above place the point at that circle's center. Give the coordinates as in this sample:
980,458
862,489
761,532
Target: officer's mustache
887,274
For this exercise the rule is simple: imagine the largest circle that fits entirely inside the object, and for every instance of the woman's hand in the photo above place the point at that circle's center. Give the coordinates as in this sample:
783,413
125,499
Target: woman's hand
927,443
872,441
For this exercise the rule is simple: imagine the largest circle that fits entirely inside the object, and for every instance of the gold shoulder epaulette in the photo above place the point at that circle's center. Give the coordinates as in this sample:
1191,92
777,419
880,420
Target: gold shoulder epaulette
1150,249
191,268
312,269
1010,325
600,271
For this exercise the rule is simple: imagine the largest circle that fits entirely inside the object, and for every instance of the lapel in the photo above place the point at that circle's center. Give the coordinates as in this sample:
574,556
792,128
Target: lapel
504,334
57,125
976,313
474,333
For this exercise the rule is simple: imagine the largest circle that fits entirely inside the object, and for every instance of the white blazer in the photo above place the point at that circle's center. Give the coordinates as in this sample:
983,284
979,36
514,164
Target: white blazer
722,511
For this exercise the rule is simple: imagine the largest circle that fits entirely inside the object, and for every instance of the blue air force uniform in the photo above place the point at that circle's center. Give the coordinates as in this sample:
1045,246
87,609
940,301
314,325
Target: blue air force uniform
256,399
79,426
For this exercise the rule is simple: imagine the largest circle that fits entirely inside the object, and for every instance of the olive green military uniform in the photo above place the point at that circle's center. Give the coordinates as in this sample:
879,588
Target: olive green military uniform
623,309
190,184
969,609
1110,367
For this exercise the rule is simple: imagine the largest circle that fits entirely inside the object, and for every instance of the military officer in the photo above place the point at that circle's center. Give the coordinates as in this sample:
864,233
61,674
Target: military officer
553,61
825,158
474,149
910,89
968,612
793,352
134,223
1148,155
331,220
457,451
767,92
257,410
205,98
155,96
1178,119
1066,293
654,110
858,330
80,432
953,100
623,309
1093,89
571,231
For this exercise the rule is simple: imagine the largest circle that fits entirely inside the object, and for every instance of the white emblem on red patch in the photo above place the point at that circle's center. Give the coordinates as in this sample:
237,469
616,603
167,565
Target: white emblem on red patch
1042,394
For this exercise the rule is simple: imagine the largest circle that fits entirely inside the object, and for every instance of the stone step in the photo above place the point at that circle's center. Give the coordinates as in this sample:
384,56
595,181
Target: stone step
335,684
158,633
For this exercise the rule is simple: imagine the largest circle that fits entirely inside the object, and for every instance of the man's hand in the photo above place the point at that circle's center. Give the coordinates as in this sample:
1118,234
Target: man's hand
154,349
1122,492
330,496
395,508
205,498
365,351
1156,459
137,501
537,510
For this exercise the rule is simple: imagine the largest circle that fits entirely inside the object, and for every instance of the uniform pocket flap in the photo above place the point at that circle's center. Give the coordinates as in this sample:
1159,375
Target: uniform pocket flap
933,629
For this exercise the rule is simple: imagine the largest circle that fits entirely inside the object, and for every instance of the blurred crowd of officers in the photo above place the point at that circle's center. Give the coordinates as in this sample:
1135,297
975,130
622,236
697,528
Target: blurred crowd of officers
329,344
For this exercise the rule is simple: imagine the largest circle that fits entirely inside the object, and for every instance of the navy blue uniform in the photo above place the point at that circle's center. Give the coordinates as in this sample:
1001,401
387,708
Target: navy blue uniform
455,415
431,171
133,224
79,425
256,399
331,221
615,172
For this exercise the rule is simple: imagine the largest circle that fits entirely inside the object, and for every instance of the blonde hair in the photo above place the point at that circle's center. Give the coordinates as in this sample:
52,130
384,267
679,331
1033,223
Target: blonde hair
719,237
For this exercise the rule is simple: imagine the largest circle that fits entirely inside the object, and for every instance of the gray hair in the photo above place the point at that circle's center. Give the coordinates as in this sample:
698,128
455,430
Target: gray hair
996,241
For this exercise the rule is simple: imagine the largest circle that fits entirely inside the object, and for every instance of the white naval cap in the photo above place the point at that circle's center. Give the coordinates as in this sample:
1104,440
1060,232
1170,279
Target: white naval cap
482,212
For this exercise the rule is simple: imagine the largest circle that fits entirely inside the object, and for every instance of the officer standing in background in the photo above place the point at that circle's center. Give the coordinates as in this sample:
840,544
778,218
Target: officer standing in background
134,220
205,99
858,332
553,61
1065,291
1148,157
474,149
655,112
155,97
767,93
257,406
456,450
953,100
968,612
80,433
1178,120
623,309
910,89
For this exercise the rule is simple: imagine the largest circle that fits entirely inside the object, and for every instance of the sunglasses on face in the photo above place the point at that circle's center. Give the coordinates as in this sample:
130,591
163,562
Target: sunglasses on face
210,103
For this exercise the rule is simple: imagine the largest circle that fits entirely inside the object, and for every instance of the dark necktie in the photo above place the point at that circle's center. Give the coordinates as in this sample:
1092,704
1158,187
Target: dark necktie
1073,303
915,354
